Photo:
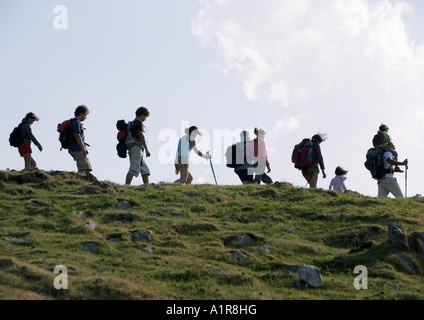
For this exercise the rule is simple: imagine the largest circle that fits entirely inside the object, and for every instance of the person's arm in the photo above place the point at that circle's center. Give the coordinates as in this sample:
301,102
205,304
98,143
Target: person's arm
206,156
80,143
143,142
28,132
319,159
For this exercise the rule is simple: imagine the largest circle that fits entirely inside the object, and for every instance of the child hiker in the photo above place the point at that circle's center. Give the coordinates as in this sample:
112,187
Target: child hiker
338,182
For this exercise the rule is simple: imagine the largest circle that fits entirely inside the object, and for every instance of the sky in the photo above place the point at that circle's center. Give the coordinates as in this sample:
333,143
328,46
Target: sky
291,67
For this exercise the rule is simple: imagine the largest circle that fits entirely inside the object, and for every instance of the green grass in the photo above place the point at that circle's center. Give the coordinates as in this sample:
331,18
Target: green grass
194,230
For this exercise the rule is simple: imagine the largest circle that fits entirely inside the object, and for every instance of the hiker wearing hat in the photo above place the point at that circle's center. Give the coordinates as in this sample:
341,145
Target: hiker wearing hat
25,148
185,145
338,182
311,173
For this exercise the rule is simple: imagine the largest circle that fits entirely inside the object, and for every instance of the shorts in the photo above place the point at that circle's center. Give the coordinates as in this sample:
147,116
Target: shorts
24,149
137,164
83,164
181,162
311,169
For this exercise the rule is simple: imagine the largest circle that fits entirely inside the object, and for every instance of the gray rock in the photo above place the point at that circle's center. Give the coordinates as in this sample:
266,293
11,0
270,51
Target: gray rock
141,235
264,250
397,236
123,205
310,275
156,214
147,249
246,240
418,239
18,241
290,269
289,228
408,263
238,257
113,239
93,247
90,225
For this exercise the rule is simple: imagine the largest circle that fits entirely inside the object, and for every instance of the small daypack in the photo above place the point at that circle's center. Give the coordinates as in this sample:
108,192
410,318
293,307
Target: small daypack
121,147
302,154
235,155
64,130
16,138
375,164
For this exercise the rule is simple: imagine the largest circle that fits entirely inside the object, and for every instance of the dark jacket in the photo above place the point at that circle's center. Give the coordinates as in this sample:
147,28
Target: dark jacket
317,155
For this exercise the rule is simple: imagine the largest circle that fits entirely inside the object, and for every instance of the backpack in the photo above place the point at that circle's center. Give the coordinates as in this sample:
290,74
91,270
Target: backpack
121,147
375,164
302,154
64,130
235,155
16,138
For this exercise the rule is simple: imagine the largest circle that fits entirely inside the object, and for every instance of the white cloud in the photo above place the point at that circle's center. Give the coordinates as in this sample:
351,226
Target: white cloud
289,51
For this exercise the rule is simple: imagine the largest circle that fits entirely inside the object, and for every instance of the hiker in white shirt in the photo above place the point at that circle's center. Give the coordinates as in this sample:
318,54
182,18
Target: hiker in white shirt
389,183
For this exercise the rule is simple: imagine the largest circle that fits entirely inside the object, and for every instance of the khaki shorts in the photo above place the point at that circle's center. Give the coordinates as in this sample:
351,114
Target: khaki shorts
137,164
83,164
181,162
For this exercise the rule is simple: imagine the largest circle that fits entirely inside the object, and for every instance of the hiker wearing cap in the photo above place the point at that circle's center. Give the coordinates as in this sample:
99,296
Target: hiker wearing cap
388,184
136,144
311,173
77,148
338,182
185,145
257,155
25,148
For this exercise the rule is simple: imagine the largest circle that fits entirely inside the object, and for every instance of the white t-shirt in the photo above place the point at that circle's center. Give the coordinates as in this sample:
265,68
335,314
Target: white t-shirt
388,155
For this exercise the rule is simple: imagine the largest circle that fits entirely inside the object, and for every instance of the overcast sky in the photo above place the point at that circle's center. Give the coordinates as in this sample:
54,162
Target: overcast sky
292,67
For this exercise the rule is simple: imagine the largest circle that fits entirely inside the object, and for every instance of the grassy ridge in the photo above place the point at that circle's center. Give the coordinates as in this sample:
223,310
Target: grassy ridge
194,230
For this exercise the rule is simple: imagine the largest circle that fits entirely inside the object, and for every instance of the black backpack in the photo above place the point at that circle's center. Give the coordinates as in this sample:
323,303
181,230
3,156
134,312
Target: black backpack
121,147
375,164
235,155
16,138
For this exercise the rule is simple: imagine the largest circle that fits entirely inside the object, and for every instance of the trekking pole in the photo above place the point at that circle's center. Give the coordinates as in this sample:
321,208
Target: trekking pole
406,181
213,171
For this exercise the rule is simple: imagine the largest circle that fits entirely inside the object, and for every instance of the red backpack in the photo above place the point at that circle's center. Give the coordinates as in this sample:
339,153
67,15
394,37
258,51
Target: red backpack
302,154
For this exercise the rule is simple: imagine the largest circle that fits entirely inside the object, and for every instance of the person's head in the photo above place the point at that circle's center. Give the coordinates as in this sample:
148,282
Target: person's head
383,127
81,112
244,135
319,137
142,113
391,145
340,171
31,117
260,133
193,132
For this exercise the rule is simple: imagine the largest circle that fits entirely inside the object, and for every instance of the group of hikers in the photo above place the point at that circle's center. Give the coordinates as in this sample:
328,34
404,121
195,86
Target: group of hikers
248,158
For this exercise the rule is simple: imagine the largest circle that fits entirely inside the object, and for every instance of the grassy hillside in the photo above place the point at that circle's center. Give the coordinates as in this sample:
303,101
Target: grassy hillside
187,236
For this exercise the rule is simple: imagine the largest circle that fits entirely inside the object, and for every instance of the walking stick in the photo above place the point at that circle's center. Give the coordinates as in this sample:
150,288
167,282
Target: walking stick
406,181
213,171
